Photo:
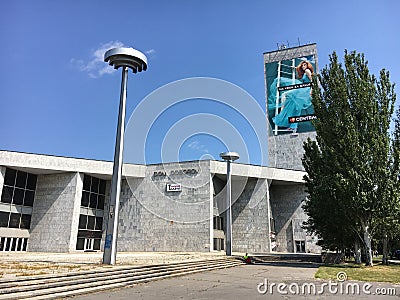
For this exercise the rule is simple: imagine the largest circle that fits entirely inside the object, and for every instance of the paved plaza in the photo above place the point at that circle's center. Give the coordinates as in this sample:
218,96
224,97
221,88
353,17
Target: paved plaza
259,281
243,282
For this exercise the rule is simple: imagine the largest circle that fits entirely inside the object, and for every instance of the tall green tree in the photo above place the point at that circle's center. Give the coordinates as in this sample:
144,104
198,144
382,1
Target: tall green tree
349,167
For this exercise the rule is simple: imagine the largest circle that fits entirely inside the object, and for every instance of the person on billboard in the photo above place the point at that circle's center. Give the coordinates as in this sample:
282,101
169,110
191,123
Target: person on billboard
294,101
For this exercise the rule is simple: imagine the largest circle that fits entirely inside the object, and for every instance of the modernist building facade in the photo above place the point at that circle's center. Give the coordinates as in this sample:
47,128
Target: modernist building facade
59,204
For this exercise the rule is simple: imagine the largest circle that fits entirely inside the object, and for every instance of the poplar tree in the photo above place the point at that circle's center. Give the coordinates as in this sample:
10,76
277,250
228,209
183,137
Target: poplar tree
350,164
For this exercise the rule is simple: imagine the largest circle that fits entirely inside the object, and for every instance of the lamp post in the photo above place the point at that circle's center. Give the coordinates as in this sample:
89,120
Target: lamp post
229,157
127,58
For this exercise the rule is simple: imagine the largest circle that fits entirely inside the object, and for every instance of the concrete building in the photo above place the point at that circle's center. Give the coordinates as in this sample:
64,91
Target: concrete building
59,204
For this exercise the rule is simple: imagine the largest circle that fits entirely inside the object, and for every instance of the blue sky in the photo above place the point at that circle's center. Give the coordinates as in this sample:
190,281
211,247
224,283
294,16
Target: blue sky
58,97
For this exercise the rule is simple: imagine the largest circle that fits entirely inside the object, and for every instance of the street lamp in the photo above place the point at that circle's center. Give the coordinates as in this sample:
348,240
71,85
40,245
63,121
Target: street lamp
137,62
229,157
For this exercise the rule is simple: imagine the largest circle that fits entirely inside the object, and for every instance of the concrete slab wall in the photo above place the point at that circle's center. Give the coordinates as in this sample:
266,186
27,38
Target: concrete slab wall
285,151
250,225
55,214
286,205
154,219
286,202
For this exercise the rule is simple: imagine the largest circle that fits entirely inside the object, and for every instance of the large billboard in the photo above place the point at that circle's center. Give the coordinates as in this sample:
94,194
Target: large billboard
288,74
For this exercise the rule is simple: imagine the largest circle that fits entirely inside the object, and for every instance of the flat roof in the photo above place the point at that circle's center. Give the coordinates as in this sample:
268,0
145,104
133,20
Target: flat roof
50,164
289,48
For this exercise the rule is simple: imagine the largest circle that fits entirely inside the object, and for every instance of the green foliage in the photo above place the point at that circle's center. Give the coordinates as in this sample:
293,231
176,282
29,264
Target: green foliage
353,166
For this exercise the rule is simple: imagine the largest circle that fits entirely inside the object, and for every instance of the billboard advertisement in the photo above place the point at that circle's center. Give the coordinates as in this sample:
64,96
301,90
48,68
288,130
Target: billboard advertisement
288,86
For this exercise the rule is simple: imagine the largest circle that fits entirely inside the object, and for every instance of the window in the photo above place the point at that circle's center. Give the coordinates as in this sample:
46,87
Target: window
31,182
93,200
21,180
80,244
7,194
218,244
82,221
28,199
91,225
218,223
99,223
14,220
4,218
300,246
25,221
10,177
18,198
19,190
100,201
85,199
93,193
13,244
272,222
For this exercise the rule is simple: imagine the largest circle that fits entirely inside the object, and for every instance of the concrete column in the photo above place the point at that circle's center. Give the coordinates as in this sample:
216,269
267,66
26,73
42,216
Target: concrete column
211,224
55,213
250,218
76,211
2,174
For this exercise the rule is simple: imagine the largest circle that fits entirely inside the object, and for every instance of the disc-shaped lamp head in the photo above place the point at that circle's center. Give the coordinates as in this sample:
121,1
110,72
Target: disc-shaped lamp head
229,156
126,57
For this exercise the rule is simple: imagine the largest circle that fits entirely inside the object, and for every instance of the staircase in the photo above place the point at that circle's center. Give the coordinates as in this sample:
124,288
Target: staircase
54,286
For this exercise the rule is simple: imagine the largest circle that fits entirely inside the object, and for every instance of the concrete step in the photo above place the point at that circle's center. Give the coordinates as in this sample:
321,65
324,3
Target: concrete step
95,272
53,287
26,284
299,257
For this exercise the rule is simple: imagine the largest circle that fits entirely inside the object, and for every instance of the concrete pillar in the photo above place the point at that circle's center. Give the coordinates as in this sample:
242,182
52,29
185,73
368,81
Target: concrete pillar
55,214
75,212
2,174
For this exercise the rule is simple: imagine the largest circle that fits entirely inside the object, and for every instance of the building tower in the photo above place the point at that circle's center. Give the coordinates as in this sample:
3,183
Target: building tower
288,100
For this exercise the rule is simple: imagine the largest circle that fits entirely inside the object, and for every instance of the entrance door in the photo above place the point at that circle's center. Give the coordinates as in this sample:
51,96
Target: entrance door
300,246
88,246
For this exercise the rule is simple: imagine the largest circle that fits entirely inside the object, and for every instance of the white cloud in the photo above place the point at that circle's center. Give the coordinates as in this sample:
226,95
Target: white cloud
96,67
195,145
151,51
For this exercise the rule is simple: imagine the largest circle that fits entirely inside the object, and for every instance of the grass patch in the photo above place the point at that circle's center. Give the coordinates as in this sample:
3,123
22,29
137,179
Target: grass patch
377,273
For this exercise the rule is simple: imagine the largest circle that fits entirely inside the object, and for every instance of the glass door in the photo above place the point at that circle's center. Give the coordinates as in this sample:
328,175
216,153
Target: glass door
88,244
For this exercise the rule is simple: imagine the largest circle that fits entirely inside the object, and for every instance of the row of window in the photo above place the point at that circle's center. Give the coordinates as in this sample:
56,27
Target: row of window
15,220
13,244
17,196
19,188
92,200
93,194
20,179
88,244
94,185
90,227
90,222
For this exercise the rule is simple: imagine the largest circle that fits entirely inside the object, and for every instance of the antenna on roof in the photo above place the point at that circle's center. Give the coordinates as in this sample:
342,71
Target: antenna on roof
298,39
